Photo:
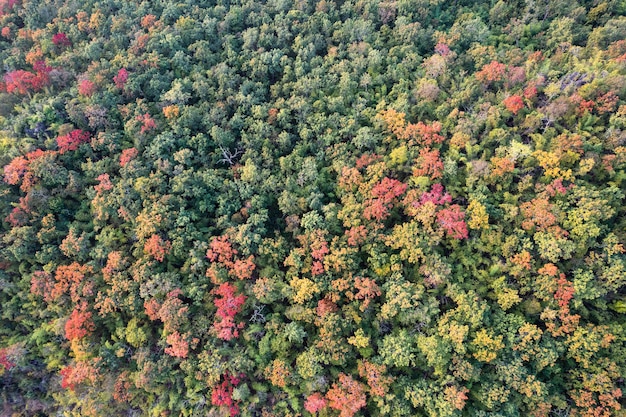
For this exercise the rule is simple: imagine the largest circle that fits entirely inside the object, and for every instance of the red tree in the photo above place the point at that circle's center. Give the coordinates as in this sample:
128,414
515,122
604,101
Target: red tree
315,402
228,305
452,219
61,39
86,88
121,78
72,140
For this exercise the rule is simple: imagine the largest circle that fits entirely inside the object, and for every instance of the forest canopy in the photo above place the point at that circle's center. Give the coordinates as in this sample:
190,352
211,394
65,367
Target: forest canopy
328,208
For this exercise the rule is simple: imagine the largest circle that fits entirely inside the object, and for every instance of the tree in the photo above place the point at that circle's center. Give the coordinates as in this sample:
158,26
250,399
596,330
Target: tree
72,140
347,396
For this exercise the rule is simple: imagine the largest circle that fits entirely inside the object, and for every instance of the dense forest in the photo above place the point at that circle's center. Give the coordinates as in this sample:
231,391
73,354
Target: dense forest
299,208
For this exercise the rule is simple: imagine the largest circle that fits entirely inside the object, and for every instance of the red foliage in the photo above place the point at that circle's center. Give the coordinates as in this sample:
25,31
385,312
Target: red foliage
157,247
375,209
79,325
356,235
18,217
317,268
314,403
121,78
4,360
23,82
72,140
452,219
388,189
41,68
607,103
61,39
41,283
6,32
222,394
557,187
435,196
81,372
18,169
442,49
428,164
221,251
324,307
366,159
319,246
128,155
105,183
492,72
147,121
66,375
6,6
86,88
513,103
228,305
530,92
348,396
384,193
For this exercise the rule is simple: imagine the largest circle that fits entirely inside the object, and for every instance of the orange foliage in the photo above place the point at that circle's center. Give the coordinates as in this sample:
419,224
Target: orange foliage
501,166
347,396
71,376
375,377
537,214
315,403
456,396
513,103
367,290
420,133
128,155
171,112
278,373
492,72
70,279
179,346
428,164
157,247
79,325
356,235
